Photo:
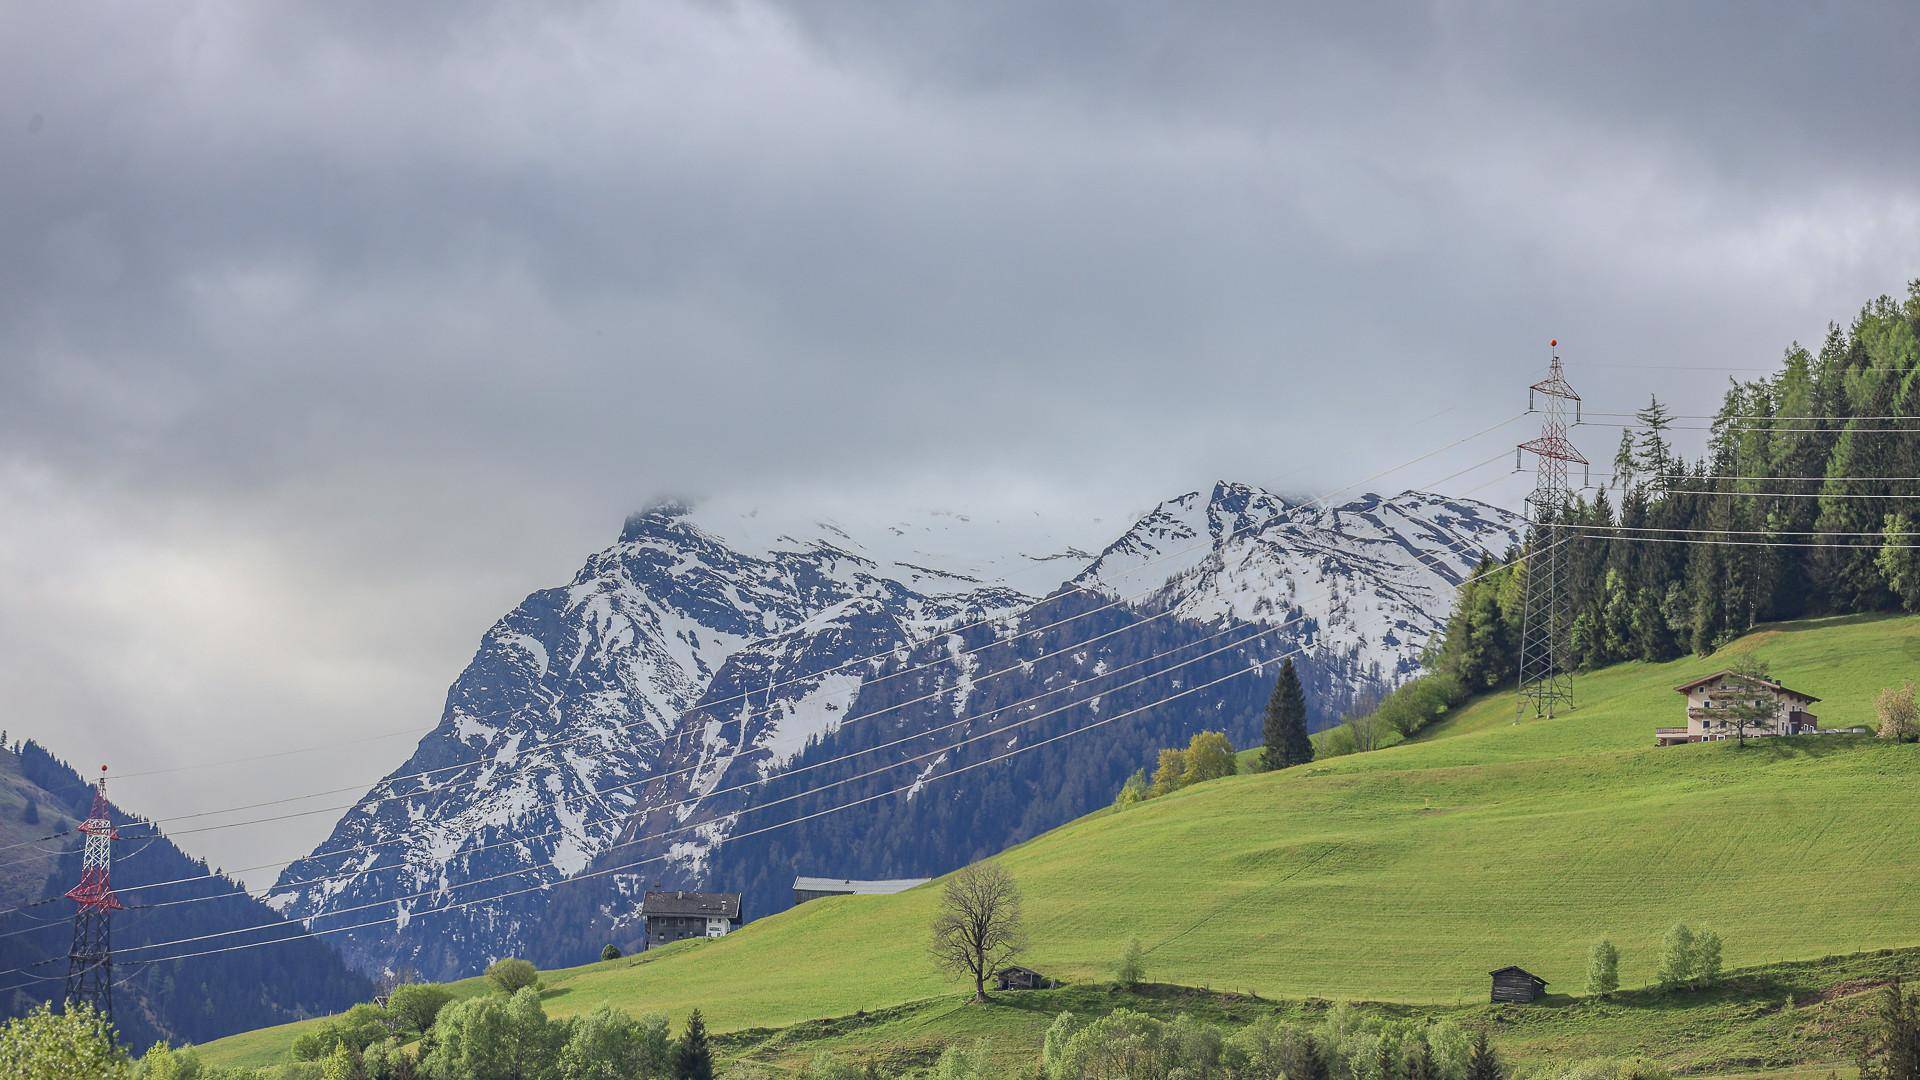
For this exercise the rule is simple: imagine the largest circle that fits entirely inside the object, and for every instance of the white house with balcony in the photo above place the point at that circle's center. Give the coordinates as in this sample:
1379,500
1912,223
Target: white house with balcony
1716,702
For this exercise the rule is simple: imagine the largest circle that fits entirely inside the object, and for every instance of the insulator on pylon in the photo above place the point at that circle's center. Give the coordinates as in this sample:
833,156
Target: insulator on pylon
1576,410
1530,405
1516,459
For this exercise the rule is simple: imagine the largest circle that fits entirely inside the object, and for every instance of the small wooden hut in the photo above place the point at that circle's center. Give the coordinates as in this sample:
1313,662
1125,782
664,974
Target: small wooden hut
1518,985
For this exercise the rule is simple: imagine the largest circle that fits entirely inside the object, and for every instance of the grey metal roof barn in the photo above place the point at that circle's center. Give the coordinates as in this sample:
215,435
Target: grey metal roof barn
813,888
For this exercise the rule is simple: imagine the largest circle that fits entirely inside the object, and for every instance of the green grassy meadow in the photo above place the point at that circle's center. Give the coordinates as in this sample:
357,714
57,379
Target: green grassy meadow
1403,875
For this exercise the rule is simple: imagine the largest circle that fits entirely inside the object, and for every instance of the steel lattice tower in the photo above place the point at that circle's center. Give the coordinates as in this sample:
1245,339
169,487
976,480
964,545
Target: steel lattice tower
90,961
1545,686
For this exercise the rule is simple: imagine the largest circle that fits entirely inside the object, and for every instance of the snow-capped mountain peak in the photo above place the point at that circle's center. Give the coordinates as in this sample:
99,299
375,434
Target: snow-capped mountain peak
713,647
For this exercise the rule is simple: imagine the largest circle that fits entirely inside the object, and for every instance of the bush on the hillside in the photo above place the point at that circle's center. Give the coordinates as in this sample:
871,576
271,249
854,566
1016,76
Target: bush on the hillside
974,1063
494,1036
1899,716
1348,1044
513,974
1123,1045
1169,773
1706,959
356,1029
44,1045
610,952
341,1064
31,813
1689,960
1676,957
1420,702
1337,742
1053,1047
607,1044
415,1006
1603,968
1135,790
388,1060
1209,757
1133,965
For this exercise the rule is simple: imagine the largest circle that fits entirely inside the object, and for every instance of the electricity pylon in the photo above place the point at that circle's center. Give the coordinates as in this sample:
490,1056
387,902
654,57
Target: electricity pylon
90,961
1546,687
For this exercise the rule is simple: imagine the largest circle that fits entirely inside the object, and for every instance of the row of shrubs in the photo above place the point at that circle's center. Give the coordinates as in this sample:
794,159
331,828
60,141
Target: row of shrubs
1348,1045
1407,710
1209,755
419,1033
1689,960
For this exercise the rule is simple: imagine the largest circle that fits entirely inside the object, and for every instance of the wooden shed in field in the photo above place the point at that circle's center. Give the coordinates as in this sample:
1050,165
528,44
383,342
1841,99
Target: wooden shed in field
1020,978
1518,985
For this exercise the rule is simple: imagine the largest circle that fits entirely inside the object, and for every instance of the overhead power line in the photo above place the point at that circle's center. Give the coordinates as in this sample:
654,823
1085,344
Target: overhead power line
950,657
543,886
734,816
596,794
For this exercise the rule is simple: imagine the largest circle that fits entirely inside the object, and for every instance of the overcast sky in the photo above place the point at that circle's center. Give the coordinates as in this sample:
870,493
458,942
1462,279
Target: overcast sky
329,331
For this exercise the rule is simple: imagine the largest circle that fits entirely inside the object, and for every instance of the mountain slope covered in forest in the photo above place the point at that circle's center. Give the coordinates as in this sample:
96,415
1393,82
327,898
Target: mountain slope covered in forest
188,1000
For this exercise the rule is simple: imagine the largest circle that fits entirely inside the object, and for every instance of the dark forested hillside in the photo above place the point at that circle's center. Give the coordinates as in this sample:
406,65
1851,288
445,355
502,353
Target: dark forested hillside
948,823
188,1000
1806,502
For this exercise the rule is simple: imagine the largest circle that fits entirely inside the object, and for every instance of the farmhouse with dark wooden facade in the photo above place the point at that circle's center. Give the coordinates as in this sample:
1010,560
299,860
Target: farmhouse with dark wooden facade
677,916
1517,985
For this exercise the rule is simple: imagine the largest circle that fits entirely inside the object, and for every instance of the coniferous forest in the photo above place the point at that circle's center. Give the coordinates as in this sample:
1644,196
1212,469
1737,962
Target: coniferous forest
1804,503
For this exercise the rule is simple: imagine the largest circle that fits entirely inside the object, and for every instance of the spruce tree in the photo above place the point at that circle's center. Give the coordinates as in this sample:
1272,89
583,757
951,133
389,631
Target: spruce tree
1484,1064
1286,723
1420,1063
692,1057
1891,1050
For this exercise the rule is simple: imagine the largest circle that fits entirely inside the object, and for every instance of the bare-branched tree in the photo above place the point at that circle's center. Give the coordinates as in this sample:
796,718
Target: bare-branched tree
978,929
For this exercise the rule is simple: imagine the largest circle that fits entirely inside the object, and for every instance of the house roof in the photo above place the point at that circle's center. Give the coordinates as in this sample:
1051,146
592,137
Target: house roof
1012,968
710,904
1511,969
856,888
1768,683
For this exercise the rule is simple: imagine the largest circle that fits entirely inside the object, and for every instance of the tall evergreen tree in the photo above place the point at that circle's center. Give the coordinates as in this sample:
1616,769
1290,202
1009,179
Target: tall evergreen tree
1653,457
1484,1064
692,1056
1286,723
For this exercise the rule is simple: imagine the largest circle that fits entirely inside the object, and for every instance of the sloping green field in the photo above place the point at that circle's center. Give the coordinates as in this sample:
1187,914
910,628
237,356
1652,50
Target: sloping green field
1406,874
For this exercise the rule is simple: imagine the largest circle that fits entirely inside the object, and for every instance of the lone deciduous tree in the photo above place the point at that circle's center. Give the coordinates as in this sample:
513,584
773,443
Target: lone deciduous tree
1899,717
1603,968
978,929
1753,702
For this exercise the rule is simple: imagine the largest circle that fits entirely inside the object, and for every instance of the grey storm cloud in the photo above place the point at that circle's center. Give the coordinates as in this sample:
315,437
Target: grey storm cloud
328,331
